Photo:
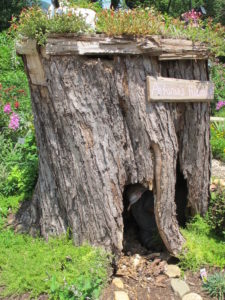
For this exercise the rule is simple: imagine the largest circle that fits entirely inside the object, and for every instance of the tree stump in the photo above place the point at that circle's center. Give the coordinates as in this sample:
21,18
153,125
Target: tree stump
97,133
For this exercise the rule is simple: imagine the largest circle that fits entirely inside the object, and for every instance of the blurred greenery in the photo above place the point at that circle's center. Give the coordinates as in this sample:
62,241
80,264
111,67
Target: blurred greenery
9,8
18,152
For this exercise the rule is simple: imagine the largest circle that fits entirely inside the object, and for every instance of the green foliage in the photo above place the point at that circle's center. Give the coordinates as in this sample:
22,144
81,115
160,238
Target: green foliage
35,24
133,22
140,22
68,23
216,212
214,9
18,153
86,4
176,8
221,112
215,285
22,165
84,288
202,246
218,140
217,75
55,267
9,204
12,7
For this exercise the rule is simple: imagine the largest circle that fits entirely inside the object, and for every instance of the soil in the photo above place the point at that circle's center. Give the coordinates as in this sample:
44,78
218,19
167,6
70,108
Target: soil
143,277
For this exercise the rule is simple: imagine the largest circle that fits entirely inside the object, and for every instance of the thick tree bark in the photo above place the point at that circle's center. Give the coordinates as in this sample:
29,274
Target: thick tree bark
96,133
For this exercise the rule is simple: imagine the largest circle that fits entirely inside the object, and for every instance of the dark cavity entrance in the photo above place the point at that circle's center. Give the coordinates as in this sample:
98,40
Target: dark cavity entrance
140,230
181,198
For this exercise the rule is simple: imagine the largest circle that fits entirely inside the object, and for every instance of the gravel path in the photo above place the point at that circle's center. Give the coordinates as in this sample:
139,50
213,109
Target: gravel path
218,169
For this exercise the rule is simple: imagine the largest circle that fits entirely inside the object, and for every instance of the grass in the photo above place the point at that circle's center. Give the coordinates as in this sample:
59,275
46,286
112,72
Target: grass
9,203
220,113
57,267
35,266
202,246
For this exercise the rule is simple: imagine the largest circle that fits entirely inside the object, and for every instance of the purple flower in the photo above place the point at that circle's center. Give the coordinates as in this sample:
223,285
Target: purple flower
7,108
14,121
220,104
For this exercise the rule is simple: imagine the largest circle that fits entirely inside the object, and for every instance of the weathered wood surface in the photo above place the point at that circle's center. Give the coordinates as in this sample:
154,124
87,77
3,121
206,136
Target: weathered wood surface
161,89
96,132
164,48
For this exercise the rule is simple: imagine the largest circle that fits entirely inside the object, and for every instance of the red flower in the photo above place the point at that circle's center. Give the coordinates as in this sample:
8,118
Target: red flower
16,105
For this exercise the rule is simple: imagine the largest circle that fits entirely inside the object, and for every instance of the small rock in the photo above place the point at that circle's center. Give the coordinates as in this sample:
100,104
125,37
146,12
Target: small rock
11,219
120,295
179,287
222,182
212,187
172,271
19,228
153,255
160,278
136,260
118,283
192,296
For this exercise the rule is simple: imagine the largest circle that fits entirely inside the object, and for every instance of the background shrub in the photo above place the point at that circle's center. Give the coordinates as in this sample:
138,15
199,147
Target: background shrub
217,75
18,153
216,212
218,140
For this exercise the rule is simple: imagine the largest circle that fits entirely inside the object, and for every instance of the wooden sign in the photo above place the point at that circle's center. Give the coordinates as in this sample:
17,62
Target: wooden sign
161,89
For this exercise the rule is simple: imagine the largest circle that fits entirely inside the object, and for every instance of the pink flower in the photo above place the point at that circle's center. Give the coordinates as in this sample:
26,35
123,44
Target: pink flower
220,104
191,15
7,109
14,121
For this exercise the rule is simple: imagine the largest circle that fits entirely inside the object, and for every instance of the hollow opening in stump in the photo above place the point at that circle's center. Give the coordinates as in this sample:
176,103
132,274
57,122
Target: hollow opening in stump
181,197
140,229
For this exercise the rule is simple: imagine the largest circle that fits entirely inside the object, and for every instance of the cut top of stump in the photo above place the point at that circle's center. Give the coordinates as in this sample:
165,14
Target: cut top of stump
99,44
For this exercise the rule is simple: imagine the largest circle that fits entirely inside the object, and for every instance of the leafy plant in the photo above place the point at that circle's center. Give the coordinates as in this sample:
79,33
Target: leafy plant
202,247
218,140
85,288
12,7
216,212
141,22
18,153
217,75
96,6
22,165
215,285
9,204
35,24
